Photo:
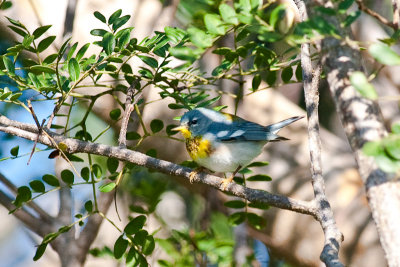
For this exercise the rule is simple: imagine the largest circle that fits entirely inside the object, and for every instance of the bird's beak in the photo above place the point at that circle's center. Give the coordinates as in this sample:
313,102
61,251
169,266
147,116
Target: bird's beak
184,130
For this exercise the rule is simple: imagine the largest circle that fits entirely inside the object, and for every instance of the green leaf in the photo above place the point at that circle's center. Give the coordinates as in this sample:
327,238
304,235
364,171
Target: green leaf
258,164
108,43
67,176
89,206
39,31
392,146
256,82
299,73
235,204
156,125
72,51
114,16
105,188
132,136
51,180
5,5
259,178
255,220
112,165
344,5
28,39
149,61
63,48
41,69
9,64
120,247
15,96
14,151
100,16
40,251
277,15
384,54
287,74
135,225
17,30
258,205
85,173
152,153
214,24
387,164
24,194
361,84
352,17
118,23
97,171
37,186
74,158
50,59
184,53
45,43
148,245
175,35
115,114
199,38
98,32
73,69
237,218
140,237
228,14
209,102
82,51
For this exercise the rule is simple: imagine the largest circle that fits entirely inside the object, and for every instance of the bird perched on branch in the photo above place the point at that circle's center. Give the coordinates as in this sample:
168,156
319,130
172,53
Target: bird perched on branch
223,142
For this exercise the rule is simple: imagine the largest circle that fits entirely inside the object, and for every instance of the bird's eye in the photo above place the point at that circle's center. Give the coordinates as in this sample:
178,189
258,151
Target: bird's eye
193,122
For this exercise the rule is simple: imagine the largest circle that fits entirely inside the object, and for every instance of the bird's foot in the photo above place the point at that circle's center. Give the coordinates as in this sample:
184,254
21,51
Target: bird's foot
225,182
194,173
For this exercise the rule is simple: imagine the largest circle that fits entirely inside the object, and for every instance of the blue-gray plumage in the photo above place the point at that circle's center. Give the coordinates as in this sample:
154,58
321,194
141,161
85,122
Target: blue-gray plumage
225,143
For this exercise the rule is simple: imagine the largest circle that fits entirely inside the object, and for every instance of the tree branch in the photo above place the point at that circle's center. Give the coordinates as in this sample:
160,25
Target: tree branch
333,237
377,16
362,122
29,131
43,214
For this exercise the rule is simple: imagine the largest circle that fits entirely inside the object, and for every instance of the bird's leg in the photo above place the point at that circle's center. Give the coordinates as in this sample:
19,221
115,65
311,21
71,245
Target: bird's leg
194,173
225,182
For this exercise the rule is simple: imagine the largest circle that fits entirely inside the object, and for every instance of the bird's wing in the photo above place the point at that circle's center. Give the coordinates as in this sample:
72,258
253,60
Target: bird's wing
242,130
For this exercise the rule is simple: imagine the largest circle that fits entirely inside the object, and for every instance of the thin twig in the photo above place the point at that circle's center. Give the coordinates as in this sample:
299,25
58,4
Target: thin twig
333,237
130,103
376,15
396,13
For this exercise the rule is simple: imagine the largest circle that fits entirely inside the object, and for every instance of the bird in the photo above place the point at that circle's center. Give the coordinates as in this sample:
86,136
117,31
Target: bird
222,142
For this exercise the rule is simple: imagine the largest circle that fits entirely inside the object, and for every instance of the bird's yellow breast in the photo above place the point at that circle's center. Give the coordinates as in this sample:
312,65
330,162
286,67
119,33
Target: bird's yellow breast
198,147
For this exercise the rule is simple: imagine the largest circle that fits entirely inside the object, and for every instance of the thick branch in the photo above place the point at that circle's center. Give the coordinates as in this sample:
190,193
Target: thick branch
28,131
362,122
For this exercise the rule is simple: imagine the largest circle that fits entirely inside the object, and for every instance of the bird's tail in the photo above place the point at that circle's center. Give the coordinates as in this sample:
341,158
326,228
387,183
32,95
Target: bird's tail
274,128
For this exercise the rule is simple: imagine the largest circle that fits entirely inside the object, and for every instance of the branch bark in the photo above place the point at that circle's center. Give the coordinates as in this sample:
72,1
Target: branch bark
362,122
333,236
29,131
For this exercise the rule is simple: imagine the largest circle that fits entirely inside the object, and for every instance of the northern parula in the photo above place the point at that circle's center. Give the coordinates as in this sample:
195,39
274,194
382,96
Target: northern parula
223,142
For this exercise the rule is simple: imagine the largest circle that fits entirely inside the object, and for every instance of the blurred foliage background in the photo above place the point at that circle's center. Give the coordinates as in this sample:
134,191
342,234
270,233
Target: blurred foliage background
239,56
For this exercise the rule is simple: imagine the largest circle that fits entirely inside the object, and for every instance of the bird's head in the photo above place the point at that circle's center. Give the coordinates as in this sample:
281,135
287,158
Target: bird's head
196,122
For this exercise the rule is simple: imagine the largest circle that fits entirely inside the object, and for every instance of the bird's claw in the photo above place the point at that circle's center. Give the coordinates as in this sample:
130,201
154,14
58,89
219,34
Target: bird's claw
194,173
225,182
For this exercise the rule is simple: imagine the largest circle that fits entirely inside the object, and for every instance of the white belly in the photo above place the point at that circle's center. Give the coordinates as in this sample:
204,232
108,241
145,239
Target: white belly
227,157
